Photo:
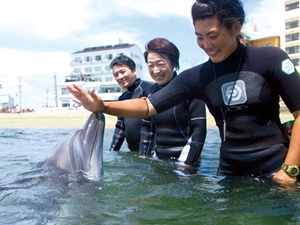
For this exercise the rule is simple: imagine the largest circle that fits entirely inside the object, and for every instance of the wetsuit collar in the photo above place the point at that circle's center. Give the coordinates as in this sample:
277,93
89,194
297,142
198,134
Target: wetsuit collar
135,85
233,57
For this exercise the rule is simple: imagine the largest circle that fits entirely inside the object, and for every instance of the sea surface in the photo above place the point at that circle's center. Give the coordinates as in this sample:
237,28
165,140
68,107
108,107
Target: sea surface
134,191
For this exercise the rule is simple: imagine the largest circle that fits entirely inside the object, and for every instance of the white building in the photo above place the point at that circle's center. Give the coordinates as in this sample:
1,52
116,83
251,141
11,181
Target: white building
6,101
90,69
290,41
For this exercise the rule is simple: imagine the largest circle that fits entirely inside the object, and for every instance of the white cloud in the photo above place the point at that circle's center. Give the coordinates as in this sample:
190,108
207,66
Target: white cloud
28,63
58,19
158,8
48,19
266,15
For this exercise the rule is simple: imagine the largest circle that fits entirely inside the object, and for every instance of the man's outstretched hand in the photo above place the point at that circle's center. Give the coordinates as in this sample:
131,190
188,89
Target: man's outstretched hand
90,101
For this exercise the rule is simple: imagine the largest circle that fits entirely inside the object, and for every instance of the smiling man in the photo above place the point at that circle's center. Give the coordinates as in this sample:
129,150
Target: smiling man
125,73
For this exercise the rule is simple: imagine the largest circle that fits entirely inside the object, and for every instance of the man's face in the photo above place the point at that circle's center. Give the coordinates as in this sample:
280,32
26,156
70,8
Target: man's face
124,76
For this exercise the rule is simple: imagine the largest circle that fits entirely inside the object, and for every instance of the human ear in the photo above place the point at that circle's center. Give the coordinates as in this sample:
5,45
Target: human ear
135,72
236,28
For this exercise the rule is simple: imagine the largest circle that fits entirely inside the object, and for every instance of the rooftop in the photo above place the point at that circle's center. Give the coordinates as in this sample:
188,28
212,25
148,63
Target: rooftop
104,47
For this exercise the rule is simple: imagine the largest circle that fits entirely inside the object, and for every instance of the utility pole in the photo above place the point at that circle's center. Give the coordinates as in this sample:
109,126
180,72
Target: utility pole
55,88
47,91
20,92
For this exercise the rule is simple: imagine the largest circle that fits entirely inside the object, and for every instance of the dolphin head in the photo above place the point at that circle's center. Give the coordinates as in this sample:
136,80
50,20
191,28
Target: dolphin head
81,150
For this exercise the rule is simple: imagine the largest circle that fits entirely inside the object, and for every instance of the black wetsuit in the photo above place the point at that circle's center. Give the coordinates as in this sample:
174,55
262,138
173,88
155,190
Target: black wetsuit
129,128
173,129
254,136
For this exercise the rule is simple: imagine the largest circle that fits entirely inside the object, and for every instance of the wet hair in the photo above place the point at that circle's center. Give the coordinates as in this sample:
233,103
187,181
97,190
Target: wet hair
227,11
165,49
123,60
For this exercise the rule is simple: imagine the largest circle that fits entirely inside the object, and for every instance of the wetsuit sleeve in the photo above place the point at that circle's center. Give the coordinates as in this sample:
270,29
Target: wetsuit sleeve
286,78
147,137
197,113
119,135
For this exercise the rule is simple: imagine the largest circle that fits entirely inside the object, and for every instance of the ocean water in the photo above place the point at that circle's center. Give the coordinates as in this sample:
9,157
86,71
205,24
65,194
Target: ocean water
134,191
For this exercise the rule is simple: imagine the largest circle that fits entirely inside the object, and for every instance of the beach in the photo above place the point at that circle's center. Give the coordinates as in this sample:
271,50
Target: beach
50,118
75,118
61,118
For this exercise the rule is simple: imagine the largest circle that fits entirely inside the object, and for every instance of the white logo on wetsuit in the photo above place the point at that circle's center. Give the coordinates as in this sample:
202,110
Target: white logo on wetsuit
287,66
238,94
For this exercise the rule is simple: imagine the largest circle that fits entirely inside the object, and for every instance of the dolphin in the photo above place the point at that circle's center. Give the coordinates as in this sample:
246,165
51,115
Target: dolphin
81,150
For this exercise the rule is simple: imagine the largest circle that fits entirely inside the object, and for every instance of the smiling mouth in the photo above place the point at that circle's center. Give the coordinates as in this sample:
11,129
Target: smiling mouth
159,77
213,52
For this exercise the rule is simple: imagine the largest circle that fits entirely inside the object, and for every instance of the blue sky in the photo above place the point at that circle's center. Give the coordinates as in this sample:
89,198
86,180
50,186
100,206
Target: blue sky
37,37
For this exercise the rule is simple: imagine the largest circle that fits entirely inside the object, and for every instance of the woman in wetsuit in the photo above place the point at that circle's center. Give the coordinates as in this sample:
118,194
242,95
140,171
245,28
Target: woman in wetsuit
174,127
240,85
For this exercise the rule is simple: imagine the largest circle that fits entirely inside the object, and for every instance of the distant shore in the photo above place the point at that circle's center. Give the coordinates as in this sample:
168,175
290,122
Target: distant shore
50,118
76,118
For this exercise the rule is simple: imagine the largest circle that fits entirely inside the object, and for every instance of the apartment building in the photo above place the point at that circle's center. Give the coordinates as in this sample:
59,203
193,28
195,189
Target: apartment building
261,41
290,41
90,70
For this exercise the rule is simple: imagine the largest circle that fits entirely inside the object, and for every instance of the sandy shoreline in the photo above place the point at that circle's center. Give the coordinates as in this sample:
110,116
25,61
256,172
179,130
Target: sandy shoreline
56,118
47,118
76,119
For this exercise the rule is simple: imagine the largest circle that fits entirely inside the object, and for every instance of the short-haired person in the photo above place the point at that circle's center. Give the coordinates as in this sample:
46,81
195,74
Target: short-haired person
125,73
174,127
240,85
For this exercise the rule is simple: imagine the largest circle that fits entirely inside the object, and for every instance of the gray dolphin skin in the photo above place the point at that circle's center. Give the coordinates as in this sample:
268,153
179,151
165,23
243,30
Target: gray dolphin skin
81,150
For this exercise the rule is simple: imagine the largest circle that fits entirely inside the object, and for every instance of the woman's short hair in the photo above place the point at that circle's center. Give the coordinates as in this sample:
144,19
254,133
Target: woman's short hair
164,48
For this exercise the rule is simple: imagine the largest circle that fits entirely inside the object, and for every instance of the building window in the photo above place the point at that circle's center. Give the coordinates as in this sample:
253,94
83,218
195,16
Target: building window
98,58
109,79
107,68
77,70
292,37
264,45
292,50
120,54
65,91
292,24
292,6
97,79
77,60
65,103
88,69
97,69
88,59
108,56
295,62
109,89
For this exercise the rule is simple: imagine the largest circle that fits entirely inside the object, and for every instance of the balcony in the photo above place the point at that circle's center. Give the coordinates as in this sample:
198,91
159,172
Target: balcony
91,84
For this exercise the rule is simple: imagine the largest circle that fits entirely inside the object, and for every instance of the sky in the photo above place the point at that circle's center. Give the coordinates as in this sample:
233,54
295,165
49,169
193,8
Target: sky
37,37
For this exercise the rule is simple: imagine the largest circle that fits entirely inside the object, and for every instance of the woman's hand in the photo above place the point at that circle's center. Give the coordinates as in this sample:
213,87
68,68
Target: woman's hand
90,101
282,178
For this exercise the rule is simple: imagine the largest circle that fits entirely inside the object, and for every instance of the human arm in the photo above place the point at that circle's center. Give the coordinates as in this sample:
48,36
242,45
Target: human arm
147,137
119,135
133,108
197,114
293,155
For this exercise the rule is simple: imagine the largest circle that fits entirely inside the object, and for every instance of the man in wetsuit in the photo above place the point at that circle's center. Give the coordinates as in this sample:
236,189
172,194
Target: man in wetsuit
125,71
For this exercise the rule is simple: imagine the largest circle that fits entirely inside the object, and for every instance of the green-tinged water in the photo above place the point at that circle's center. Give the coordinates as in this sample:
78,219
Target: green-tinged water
134,191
